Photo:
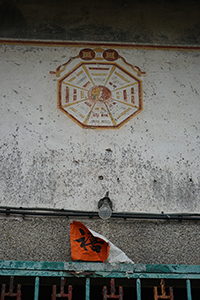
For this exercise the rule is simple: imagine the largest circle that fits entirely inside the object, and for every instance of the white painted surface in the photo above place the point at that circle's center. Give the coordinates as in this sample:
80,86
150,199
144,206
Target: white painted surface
47,160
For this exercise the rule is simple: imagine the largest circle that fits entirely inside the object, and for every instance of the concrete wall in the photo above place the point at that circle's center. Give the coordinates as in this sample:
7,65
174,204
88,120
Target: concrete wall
47,239
138,21
150,164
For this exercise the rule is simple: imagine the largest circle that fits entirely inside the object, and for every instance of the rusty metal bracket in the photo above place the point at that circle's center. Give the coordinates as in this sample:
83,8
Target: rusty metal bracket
62,294
10,292
112,291
163,292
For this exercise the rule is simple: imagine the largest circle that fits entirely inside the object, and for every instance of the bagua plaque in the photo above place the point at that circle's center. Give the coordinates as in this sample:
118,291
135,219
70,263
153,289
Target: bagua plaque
99,89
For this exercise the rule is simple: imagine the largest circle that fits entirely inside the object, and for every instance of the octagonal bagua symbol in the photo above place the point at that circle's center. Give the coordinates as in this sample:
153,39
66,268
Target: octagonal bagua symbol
99,89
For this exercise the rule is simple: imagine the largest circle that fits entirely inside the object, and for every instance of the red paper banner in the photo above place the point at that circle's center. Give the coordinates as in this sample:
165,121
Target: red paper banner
85,246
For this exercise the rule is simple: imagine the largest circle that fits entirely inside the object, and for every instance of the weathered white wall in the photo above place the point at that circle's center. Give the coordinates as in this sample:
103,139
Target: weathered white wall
150,164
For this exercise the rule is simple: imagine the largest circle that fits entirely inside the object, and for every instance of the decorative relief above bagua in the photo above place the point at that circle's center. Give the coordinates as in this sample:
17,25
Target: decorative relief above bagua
99,89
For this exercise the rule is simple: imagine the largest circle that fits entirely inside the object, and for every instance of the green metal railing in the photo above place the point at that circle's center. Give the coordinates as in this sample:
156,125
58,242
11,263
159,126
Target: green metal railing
99,270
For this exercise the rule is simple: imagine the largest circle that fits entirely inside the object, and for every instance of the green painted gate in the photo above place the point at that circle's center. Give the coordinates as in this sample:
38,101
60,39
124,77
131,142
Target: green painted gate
89,271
